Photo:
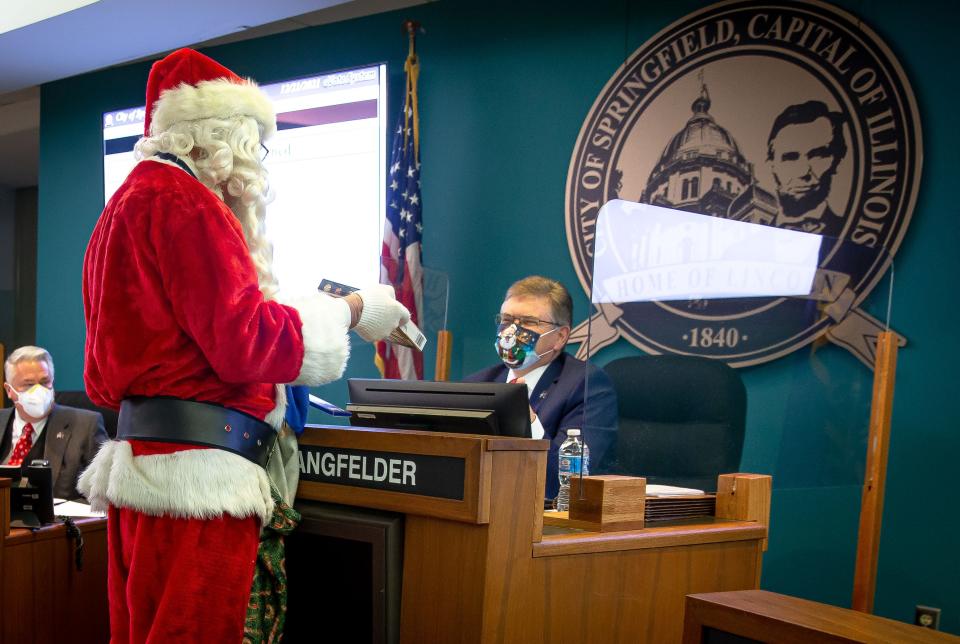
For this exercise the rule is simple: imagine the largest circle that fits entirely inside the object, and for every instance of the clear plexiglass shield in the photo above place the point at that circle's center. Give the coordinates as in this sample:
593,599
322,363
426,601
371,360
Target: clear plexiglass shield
756,348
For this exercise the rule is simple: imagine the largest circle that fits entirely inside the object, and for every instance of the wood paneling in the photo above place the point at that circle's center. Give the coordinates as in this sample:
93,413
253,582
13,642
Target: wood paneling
473,508
492,578
4,507
637,596
503,580
744,497
659,537
770,617
444,351
875,476
461,581
476,450
44,597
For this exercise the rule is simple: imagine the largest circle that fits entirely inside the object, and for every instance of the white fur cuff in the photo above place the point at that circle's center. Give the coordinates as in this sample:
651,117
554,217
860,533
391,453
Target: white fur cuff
194,483
325,340
382,313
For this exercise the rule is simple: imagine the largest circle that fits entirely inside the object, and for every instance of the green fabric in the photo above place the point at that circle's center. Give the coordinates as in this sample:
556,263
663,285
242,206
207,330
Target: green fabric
267,610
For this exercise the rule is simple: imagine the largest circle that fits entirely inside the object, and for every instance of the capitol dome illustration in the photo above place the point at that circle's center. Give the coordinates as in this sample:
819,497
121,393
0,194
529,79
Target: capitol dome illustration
702,170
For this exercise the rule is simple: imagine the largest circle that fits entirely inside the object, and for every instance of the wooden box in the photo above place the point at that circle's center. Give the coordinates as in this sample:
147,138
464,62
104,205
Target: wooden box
609,502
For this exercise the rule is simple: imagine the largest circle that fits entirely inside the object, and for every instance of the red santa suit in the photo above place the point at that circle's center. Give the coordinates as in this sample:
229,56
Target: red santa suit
173,309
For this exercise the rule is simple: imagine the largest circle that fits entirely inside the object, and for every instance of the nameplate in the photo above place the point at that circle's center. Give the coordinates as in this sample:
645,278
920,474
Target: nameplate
421,474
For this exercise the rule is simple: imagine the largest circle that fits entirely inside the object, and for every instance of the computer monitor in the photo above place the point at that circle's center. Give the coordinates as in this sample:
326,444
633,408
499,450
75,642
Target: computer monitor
491,408
31,495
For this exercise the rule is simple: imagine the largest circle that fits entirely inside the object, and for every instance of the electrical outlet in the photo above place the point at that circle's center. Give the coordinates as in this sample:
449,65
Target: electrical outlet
927,617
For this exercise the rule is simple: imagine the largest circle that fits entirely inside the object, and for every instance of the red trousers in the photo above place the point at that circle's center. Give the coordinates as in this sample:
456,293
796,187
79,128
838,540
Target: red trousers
179,580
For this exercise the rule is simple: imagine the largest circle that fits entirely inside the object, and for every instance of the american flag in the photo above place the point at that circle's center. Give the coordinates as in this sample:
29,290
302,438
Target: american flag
403,230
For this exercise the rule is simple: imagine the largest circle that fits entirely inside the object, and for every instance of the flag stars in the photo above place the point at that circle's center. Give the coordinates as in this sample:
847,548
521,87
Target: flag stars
402,230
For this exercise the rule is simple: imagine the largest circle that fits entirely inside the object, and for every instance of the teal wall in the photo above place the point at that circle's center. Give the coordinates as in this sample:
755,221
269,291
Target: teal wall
504,90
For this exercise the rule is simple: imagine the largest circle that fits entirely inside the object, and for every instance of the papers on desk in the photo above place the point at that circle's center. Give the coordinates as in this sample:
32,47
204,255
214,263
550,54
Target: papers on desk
670,490
74,509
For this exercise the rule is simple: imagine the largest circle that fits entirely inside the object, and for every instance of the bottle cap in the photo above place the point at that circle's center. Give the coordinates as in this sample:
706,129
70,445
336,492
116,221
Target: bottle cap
573,432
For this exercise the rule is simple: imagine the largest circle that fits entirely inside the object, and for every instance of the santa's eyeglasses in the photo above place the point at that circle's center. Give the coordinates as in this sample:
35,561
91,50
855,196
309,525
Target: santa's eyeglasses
264,151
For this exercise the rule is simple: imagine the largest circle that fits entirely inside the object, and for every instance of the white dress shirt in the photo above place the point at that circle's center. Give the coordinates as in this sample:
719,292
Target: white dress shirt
531,379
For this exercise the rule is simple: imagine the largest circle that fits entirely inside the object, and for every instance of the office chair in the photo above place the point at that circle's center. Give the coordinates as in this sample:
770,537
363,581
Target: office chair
80,400
682,419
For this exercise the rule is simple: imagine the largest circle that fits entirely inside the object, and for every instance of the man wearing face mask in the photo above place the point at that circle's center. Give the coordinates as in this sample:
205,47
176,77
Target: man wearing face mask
532,331
37,428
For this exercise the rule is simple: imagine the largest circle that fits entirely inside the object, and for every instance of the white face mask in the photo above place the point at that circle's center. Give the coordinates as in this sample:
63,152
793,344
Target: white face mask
36,401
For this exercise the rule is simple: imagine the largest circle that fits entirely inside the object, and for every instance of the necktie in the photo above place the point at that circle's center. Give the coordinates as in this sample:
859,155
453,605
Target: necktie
22,448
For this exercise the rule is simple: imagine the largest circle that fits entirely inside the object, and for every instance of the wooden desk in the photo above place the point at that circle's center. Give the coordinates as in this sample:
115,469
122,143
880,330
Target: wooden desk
43,598
758,615
478,568
484,568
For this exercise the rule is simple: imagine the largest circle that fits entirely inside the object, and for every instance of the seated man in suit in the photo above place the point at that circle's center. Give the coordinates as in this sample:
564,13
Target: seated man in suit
532,330
36,428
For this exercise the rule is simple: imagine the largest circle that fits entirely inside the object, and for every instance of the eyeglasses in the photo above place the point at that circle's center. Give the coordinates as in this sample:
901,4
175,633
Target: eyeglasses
523,320
263,152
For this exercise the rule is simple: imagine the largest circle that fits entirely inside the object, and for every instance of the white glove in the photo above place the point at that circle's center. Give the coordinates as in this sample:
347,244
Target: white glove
381,313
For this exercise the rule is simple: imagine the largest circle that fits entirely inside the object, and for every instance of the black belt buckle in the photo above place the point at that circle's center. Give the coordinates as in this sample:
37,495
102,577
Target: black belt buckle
174,420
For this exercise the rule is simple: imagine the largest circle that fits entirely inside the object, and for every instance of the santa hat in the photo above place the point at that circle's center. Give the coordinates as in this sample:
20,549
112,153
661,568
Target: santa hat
187,86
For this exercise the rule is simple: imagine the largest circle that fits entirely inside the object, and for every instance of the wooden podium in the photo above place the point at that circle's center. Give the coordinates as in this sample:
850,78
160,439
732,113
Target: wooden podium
480,566
43,597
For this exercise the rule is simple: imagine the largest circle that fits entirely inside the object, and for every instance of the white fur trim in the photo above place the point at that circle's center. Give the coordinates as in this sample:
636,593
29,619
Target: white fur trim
218,98
325,339
279,411
194,483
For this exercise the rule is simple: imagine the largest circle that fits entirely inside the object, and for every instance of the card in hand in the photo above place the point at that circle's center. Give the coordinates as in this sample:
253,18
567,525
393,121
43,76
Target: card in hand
408,335
335,288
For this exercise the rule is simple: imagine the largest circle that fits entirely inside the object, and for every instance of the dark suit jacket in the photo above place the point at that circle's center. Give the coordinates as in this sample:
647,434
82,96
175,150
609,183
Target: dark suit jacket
558,401
69,441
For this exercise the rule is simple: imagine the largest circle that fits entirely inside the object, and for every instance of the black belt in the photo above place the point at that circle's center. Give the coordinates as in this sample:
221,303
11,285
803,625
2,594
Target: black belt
172,420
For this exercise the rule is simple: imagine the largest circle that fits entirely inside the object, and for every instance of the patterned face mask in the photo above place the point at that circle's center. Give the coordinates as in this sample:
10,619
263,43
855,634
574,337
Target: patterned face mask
516,345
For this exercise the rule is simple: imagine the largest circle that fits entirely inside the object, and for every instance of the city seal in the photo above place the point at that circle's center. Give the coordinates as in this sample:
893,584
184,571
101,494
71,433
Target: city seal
796,116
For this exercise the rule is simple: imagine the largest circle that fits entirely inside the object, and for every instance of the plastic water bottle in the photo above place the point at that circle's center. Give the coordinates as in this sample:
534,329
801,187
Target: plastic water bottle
574,457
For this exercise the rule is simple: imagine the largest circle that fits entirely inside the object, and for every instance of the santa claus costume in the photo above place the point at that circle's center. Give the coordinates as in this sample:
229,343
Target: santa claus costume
184,336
